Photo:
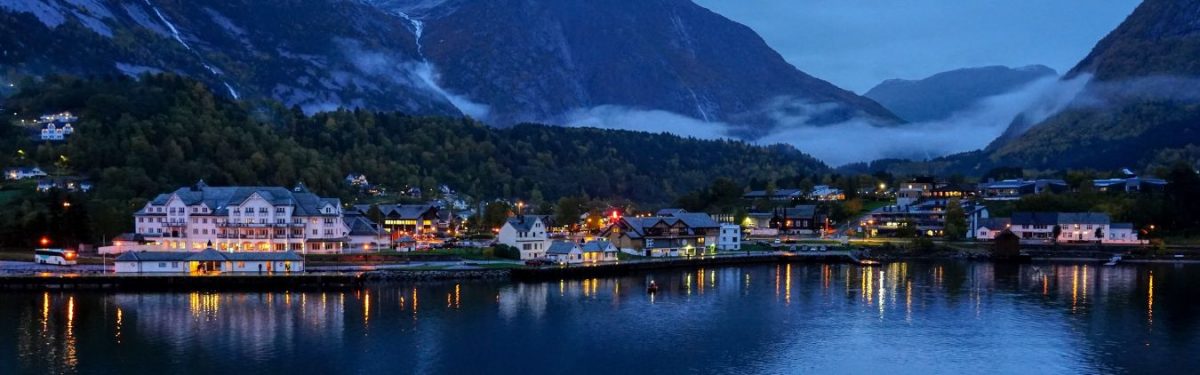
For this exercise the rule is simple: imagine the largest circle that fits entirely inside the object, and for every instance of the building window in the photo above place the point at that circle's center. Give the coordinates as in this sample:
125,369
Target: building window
279,210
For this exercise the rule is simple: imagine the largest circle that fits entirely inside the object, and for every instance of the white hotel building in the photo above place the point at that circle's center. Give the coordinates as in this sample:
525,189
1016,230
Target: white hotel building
242,218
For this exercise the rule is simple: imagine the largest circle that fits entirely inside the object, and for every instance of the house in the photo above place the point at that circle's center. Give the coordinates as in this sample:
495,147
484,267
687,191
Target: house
1015,189
23,173
988,229
364,235
69,184
1122,233
56,132
564,252
1073,227
401,220
1132,184
928,217
801,219
826,193
527,233
243,218
599,251
759,223
209,261
730,238
680,234
357,180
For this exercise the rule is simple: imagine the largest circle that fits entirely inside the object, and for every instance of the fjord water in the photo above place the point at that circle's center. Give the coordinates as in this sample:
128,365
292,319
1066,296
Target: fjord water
900,318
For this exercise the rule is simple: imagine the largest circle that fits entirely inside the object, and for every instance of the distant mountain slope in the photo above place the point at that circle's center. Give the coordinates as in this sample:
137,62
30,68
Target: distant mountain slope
505,61
317,54
1144,97
535,60
941,95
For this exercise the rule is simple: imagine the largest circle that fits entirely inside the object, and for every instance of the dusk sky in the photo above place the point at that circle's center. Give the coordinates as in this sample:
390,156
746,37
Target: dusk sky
856,44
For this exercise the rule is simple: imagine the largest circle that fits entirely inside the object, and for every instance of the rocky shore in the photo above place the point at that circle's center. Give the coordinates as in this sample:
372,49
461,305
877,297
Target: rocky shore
436,275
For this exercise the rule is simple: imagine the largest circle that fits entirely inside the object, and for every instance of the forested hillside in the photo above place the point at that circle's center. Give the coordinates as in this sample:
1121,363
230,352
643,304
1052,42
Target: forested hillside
135,139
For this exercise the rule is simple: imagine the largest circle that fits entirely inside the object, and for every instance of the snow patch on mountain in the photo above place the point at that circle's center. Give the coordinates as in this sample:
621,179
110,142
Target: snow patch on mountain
140,17
92,7
49,14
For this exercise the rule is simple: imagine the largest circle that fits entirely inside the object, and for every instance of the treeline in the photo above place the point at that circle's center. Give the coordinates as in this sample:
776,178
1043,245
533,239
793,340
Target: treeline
138,138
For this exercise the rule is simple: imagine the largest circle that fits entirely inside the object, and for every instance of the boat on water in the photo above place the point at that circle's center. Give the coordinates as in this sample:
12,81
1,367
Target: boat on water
652,288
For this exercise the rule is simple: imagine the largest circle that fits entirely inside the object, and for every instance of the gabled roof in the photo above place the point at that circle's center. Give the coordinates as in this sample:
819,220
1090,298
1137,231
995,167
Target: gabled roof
995,223
153,256
303,202
400,211
1035,218
523,223
1056,218
1083,218
561,247
597,246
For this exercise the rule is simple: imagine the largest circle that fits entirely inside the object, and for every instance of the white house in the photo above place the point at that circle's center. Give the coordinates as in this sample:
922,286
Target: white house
527,233
1122,233
599,251
23,173
209,261
53,132
243,218
564,252
988,229
730,238
1073,227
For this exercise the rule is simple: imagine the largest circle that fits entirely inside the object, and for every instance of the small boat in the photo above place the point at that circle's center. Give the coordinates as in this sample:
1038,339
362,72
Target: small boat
1113,261
652,288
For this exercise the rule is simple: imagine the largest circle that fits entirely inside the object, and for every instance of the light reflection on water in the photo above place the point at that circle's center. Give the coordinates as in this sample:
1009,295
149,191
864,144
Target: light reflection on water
908,317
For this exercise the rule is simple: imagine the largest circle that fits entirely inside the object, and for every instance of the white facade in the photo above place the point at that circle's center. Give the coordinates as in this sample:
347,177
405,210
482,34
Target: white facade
243,219
1122,234
730,238
53,132
527,234
564,252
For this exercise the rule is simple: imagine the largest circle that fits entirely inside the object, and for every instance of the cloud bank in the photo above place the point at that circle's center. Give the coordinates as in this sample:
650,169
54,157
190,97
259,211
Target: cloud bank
858,140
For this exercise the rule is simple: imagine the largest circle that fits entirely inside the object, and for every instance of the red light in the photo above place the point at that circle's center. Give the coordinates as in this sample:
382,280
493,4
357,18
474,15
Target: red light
45,241
69,255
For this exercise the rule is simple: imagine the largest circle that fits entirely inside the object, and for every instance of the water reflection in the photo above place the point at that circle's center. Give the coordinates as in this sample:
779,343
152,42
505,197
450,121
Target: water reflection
1059,318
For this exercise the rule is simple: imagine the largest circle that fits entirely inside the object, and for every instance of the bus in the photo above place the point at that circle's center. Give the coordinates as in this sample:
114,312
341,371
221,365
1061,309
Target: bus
60,257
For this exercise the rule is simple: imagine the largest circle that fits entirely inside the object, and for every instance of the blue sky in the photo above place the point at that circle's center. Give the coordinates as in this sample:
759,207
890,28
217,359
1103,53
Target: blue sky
856,44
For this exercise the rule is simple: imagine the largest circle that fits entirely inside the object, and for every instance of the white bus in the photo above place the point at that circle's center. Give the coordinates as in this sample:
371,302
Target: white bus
60,257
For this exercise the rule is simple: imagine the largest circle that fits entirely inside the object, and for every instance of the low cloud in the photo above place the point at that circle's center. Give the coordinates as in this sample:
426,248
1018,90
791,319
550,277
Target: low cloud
858,139
654,121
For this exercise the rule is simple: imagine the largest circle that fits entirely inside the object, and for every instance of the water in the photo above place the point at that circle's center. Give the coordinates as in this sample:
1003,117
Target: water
920,318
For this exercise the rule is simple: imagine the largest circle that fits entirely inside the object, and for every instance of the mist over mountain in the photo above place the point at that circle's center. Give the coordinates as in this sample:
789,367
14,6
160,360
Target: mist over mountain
1143,102
501,61
939,96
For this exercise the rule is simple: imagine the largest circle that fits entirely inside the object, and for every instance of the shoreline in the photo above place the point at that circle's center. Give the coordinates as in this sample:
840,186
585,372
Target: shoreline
354,280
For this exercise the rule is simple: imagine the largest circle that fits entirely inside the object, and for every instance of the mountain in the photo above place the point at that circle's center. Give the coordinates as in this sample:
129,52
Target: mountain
941,95
1143,99
314,54
504,61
